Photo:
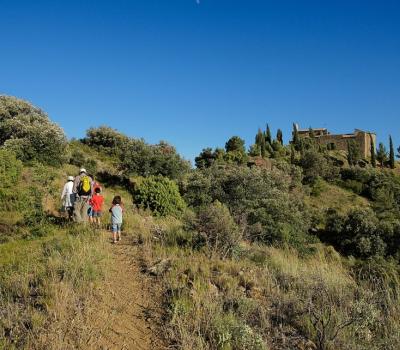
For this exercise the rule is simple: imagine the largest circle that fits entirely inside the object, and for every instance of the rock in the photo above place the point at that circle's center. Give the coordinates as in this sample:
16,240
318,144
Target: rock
159,268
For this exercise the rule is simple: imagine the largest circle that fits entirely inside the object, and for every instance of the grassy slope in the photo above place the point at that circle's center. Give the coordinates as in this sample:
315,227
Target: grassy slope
258,301
335,197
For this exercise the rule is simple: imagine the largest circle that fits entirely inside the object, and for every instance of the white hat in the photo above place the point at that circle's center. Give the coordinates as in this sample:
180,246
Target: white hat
83,170
70,178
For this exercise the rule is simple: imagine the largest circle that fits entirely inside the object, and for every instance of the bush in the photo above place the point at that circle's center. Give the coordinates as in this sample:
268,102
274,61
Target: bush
28,132
263,200
159,194
359,233
136,157
106,139
142,159
314,166
221,233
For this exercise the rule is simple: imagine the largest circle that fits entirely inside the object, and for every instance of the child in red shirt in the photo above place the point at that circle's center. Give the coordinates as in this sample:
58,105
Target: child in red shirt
96,202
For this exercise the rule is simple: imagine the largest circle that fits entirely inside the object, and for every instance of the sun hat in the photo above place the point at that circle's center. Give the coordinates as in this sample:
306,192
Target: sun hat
70,178
83,170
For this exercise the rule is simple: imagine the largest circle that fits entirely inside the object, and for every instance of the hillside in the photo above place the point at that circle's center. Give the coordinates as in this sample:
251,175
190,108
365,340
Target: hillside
300,254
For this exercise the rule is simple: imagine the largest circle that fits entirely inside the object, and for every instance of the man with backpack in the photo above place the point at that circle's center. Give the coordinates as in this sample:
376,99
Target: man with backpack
83,191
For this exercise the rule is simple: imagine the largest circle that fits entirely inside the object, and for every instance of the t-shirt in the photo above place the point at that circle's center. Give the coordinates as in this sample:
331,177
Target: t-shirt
116,214
97,202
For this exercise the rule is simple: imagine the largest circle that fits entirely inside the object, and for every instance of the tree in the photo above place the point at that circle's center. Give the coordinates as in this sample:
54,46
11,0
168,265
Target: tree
295,137
353,153
235,144
268,137
205,159
260,142
311,132
159,194
107,140
381,154
295,134
373,154
218,227
314,166
140,158
279,136
29,133
391,153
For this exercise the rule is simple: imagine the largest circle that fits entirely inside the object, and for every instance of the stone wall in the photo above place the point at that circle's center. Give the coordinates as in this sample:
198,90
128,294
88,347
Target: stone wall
362,139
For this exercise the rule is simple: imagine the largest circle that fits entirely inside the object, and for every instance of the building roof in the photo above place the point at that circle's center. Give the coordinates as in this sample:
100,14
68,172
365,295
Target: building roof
314,129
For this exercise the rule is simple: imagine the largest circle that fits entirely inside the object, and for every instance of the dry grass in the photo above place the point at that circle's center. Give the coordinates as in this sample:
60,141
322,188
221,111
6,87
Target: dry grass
337,198
266,298
45,286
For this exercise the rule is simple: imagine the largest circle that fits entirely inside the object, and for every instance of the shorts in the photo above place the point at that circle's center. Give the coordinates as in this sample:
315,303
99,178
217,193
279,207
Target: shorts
96,214
116,227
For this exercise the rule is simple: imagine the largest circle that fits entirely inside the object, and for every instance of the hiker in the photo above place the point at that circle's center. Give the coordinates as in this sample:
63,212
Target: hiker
83,191
96,203
95,185
116,218
68,197
90,209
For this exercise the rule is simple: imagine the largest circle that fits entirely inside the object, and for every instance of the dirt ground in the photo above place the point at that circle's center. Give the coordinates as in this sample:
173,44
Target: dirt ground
128,313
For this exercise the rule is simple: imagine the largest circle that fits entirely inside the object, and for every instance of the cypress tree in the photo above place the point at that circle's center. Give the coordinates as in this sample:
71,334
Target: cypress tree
373,155
295,135
391,153
260,142
353,153
268,137
279,136
350,154
381,154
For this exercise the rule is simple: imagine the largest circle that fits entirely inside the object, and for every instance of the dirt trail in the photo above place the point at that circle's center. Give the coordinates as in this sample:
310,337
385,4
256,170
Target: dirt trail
127,315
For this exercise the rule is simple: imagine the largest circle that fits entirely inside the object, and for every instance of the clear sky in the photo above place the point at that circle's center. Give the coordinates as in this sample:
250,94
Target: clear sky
195,73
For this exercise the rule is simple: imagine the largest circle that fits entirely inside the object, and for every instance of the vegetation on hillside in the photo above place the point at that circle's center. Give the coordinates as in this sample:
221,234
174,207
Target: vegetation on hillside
275,247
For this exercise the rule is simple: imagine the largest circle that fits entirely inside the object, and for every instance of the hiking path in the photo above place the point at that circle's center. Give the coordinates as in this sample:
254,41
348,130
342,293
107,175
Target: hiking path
128,314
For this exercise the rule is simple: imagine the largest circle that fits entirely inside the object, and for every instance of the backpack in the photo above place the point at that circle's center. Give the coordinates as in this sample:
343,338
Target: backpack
85,186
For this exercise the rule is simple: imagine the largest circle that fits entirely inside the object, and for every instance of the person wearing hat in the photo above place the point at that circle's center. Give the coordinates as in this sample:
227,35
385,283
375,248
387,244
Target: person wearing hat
68,197
82,190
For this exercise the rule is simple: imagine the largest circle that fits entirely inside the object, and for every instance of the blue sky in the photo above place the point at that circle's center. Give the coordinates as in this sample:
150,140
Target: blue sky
195,73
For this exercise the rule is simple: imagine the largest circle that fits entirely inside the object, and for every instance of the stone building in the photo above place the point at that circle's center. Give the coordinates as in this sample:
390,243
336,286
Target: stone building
340,141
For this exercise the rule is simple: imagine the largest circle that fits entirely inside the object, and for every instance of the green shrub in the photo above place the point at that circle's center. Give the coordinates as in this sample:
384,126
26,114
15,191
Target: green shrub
136,157
229,333
361,234
314,166
28,132
106,139
318,188
265,199
159,194
142,159
221,233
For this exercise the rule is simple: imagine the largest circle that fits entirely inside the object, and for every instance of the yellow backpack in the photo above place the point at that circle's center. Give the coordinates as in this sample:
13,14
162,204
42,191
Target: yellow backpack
85,186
